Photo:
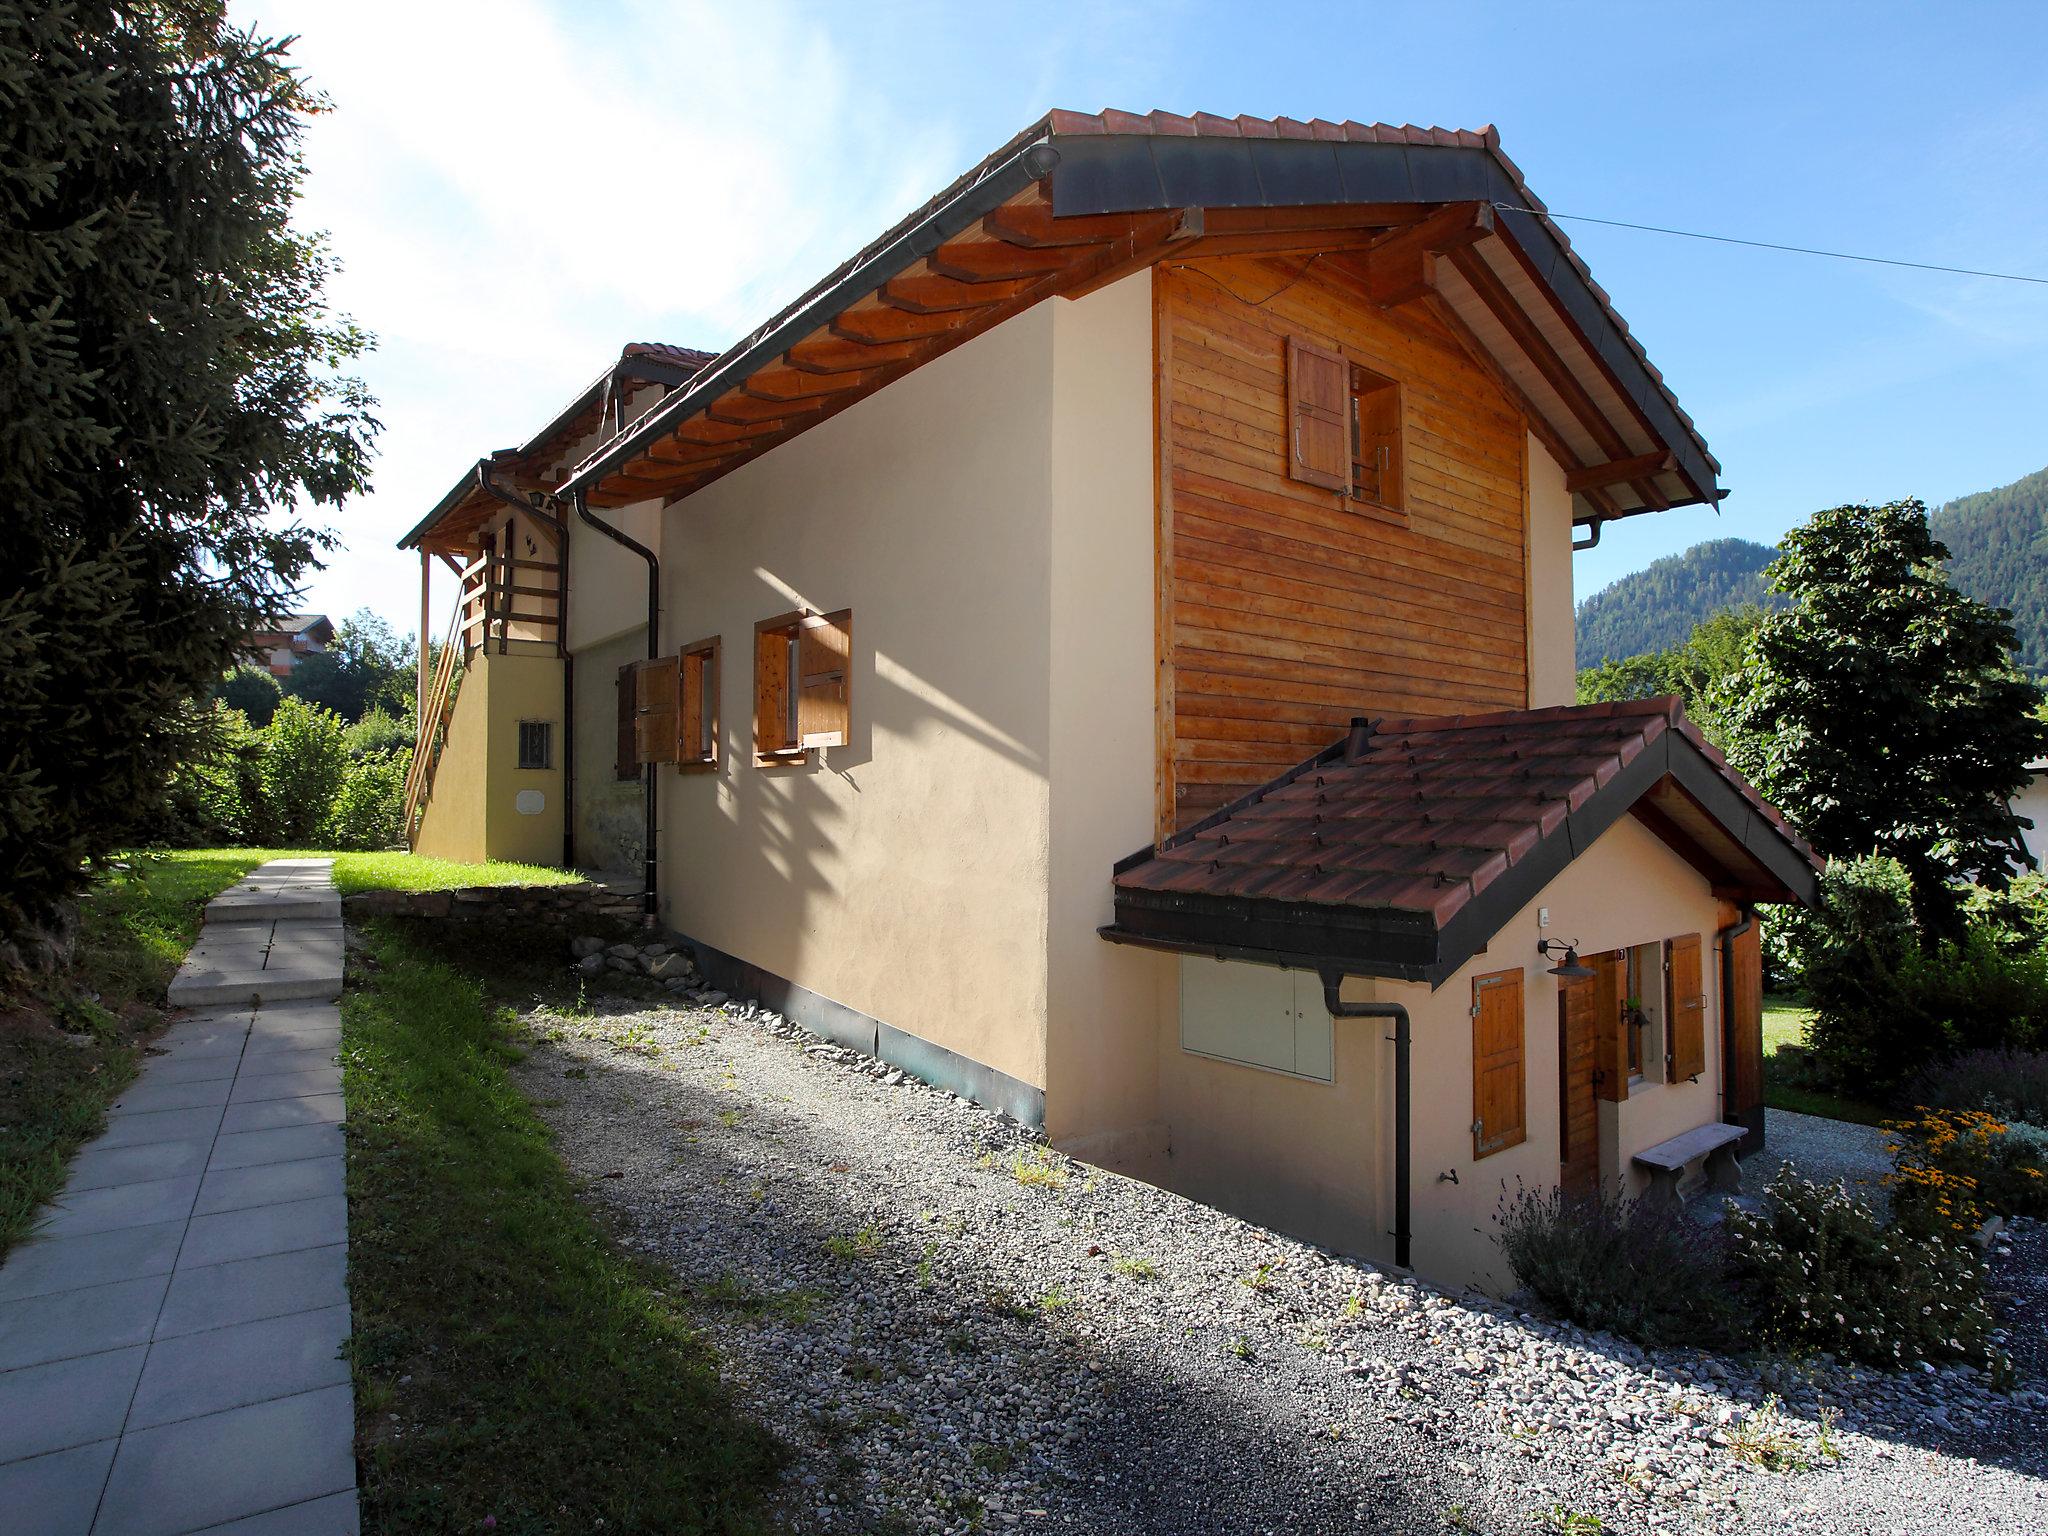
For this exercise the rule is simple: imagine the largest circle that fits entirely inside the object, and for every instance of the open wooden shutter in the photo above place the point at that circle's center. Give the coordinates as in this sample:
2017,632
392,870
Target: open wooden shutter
656,688
1743,1092
629,755
824,653
1685,1009
1610,982
697,713
771,692
1318,405
1499,1116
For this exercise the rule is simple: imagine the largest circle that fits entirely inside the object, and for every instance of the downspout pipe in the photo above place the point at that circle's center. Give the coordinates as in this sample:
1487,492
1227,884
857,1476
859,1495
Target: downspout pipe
649,901
1333,985
1726,937
548,512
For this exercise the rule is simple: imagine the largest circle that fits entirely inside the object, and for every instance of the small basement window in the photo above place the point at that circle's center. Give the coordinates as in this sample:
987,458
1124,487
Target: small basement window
1376,440
802,691
536,744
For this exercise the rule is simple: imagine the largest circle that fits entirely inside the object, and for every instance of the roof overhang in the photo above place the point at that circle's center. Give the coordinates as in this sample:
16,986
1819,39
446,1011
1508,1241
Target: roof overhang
1423,215
1676,789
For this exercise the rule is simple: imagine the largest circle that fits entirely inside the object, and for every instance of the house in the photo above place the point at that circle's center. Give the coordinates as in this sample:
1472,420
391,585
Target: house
2032,803
1107,648
282,644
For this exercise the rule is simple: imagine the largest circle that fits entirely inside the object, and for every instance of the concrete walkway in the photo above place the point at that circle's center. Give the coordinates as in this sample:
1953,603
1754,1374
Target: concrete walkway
170,1338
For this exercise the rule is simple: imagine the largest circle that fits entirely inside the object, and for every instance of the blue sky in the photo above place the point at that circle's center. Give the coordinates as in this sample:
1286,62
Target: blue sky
516,187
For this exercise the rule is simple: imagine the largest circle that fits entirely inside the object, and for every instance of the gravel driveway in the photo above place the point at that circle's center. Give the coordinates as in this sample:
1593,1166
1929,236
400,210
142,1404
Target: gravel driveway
1824,1151
959,1330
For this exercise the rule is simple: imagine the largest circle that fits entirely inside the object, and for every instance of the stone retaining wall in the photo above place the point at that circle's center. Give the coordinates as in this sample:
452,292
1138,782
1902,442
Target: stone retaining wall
567,903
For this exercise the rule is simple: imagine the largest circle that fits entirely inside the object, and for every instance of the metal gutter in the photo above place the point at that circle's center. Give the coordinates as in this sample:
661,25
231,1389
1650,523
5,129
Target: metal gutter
648,868
1026,159
1333,983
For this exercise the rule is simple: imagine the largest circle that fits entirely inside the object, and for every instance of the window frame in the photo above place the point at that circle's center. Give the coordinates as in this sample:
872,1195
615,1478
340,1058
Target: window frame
784,692
699,662
547,741
1362,382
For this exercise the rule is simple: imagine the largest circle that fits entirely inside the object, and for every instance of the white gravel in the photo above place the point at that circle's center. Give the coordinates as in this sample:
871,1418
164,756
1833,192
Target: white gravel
959,1330
1824,1151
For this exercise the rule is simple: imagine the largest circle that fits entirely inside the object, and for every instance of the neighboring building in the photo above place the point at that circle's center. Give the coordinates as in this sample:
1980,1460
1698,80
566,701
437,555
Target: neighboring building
1117,627
282,645
2032,803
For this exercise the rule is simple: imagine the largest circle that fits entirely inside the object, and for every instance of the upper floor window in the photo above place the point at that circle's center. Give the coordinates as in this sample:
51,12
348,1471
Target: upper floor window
1345,427
1376,467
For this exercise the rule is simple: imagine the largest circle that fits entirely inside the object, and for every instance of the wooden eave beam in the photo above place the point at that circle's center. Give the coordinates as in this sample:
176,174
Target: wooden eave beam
737,408
836,354
1278,242
1401,267
1034,224
794,384
941,295
1596,476
980,261
885,324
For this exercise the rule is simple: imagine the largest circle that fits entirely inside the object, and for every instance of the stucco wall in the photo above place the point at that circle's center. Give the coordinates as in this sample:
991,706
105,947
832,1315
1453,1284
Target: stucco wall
1553,637
607,581
1316,1159
474,811
1102,1084
904,875
610,811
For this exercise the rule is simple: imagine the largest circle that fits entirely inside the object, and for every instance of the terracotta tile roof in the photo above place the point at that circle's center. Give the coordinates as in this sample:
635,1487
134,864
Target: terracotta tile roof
1430,814
661,351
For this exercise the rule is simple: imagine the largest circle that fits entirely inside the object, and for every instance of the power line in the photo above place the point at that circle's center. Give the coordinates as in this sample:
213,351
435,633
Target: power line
1771,245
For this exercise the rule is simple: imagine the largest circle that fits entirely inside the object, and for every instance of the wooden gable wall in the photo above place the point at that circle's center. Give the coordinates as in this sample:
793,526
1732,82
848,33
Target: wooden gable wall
1285,609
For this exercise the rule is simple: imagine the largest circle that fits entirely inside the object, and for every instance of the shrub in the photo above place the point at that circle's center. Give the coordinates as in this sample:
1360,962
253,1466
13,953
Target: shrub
251,690
1648,1273
379,731
216,795
1821,1270
303,768
1953,1167
369,810
2011,1084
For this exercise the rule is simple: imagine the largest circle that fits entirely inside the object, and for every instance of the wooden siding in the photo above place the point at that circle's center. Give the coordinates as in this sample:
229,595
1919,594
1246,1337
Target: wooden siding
1286,609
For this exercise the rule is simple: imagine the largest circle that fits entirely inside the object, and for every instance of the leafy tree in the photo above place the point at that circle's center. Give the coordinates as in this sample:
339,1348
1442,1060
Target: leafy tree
1883,712
1698,670
364,669
251,690
305,760
169,404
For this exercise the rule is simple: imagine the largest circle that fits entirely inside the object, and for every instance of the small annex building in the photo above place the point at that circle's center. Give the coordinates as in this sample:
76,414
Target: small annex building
1107,648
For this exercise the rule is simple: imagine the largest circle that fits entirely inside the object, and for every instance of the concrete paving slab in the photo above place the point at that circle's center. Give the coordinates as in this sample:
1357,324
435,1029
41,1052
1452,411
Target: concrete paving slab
226,1466
264,1229
180,1068
335,1515
201,1093
198,1038
254,1085
246,1149
273,1114
54,1407
288,1016
281,905
45,1265
233,947
222,1295
120,1205
55,1495
39,1329
307,1037
275,1058
160,1125
293,946
215,987
104,1167
236,1189
231,1367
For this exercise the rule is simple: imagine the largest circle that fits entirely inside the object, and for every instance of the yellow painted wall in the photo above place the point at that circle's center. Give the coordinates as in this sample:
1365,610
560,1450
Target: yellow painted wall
1316,1159
904,875
474,812
1102,1086
1553,635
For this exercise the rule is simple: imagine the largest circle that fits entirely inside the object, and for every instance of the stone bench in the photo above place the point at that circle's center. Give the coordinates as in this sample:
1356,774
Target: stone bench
1668,1160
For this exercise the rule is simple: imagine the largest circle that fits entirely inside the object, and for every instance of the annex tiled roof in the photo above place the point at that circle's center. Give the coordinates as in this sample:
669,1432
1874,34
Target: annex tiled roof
1431,829
1077,199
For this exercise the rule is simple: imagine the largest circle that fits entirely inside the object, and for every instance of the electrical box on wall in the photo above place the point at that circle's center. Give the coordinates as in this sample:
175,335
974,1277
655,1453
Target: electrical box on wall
1256,1015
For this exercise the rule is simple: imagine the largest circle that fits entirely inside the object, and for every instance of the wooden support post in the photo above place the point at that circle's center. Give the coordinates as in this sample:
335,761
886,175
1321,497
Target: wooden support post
426,608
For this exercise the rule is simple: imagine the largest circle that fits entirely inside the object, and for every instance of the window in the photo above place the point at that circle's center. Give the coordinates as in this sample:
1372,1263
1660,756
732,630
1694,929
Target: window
1685,1010
536,744
1256,1016
1376,439
802,692
1316,450
1499,1116
697,727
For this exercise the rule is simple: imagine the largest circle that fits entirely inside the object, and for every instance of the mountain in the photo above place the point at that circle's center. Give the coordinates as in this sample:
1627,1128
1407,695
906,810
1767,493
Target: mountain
1998,553
1656,608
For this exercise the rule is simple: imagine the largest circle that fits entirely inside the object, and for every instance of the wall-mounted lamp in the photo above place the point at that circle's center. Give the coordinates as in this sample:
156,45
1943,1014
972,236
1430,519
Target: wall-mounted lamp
1569,966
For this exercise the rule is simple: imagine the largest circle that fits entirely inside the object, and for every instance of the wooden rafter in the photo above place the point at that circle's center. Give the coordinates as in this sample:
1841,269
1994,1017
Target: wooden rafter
1595,476
979,261
836,354
931,295
1401,267
795,384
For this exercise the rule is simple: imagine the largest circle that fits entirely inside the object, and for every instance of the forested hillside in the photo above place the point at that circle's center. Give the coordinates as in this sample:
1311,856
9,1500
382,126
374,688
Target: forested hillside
1996,554
1656,608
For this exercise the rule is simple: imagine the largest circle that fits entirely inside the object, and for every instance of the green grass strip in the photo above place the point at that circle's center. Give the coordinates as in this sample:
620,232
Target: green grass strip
511,1363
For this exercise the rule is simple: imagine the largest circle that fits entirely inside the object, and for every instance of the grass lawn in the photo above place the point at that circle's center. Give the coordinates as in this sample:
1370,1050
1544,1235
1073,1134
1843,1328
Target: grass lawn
510,1361
1785,1020
393,871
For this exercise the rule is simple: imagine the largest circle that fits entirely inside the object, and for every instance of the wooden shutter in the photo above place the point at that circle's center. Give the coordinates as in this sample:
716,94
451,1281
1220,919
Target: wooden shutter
771,690
1744,1088
1318,408
1499,1118
1610,1066
697,713
1379,443
657,685
824,653
629,757
1685,1009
